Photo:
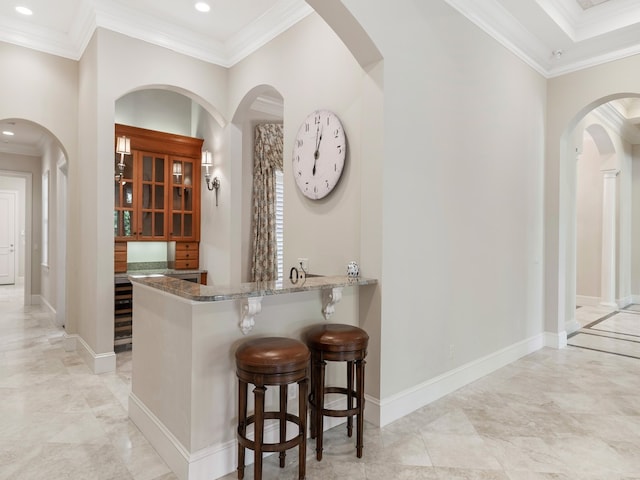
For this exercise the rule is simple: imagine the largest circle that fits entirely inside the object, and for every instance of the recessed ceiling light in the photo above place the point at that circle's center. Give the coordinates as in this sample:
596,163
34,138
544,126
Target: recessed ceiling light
8,133
202,7
24,10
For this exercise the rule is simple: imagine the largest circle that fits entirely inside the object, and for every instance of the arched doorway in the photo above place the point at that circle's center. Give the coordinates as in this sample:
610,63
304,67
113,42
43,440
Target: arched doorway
596,198
34,161
262,104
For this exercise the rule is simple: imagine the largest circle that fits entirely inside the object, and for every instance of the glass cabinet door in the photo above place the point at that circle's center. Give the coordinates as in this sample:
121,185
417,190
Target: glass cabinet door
151,200
124,227
183,180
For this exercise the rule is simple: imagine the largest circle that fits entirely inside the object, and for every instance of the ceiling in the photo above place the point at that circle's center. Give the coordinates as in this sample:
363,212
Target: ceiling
553,36
559,36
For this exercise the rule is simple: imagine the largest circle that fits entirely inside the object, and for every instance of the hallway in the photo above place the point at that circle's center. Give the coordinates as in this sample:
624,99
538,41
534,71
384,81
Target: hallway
556,414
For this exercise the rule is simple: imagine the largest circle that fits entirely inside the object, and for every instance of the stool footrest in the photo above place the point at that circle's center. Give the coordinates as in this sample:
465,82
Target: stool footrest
271,447
332,412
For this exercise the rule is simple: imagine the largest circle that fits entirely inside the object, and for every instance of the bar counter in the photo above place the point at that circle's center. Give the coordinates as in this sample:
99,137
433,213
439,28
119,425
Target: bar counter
215,293
183,383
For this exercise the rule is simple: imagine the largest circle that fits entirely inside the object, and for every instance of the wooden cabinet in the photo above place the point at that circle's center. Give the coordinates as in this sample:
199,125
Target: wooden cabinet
158,196
120,257
183,255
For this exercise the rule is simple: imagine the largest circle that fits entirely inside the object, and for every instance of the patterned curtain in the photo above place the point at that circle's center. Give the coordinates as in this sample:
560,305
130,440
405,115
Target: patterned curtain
267,159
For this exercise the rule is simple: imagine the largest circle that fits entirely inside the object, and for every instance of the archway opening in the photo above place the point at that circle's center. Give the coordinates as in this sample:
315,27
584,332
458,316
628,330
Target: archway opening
261,105
33,166
598,193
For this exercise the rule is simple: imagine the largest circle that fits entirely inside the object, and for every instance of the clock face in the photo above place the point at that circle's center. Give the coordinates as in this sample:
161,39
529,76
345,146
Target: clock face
319,151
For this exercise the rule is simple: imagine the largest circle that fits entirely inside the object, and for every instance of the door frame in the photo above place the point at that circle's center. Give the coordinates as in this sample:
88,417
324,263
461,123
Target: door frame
16,252
28,227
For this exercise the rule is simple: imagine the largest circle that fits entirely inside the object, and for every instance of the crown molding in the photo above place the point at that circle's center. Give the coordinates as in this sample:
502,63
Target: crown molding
503,27
121,18
579,24
593,61
493,19
281,17
44,40
131,22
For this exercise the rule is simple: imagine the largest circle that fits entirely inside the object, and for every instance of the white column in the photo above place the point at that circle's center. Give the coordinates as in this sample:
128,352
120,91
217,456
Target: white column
608,276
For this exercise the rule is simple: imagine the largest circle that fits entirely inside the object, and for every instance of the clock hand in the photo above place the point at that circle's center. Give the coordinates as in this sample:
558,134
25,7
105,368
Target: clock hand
316,154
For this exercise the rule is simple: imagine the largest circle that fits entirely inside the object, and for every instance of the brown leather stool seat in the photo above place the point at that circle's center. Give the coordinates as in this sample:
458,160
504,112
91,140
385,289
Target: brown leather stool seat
271,361
337,343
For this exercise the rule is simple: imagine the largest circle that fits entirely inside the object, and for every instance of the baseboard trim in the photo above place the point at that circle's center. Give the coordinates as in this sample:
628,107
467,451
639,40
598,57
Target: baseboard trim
48,306
555,340
397,406
571,326
625,302
97,362
587,301
209,463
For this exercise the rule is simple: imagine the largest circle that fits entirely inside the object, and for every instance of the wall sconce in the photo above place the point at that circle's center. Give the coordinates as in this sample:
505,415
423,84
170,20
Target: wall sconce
177,169
123,147
207,163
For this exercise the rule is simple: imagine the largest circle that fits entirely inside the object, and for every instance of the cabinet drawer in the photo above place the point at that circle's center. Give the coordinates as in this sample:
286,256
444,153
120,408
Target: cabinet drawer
186,247
120,257
186,264
187,255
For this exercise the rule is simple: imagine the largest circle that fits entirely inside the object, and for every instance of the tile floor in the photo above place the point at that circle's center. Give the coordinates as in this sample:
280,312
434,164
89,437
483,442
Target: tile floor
606,330
556,414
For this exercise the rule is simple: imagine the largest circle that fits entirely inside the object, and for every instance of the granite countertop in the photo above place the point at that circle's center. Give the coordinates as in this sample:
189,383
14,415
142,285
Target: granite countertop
215,293
156,272
153,268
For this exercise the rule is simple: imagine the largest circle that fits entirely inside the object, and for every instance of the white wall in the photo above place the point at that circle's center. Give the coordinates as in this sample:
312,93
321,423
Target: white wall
589,220
155,109
462,193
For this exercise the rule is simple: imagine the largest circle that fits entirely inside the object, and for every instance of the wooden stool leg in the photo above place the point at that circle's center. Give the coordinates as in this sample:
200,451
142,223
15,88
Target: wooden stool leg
259,431
303,387
242,424
360,418
313,394
319,398
349,397
283,421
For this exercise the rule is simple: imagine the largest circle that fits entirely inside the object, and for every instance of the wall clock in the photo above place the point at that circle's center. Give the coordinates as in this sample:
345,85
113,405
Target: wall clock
319,151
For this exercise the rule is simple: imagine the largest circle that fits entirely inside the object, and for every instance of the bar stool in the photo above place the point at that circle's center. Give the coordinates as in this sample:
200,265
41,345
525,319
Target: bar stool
337,343
271,361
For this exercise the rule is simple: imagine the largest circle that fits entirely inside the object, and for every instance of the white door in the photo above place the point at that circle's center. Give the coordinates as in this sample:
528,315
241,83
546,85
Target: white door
7,238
